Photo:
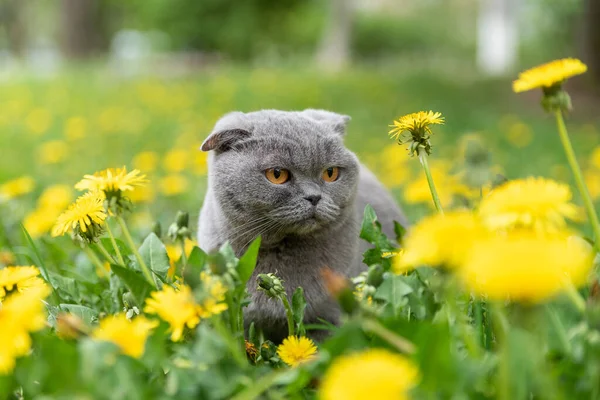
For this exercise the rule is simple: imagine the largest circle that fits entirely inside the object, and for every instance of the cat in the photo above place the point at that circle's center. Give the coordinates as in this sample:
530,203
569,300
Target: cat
288,177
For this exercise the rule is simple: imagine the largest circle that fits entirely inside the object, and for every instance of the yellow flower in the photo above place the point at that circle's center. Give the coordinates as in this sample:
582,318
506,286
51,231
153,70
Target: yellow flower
16,187
519,134
86,216
112,180
146,161
372,374
213,302
55,197
21,277
549,74
20,314
537,203
129,336
526,267
40,221
178,308
296,350
392,166
175,160
174,253
592,180
595,158
440,240
144,194
75,128
415,122
172,185
52,152
199,163
447,186
38,120
6,257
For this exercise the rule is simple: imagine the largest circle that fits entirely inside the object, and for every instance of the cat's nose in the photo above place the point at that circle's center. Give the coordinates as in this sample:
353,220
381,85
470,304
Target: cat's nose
313,198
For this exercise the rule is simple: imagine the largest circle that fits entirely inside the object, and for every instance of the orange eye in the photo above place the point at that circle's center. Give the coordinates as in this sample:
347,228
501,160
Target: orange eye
277,176
331,174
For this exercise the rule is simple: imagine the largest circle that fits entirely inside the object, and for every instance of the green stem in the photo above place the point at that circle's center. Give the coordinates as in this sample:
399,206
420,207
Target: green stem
131,243
579,181
559,329
403,345
289,314
504,384
434,194
262,384
183,255
575,296
239,354
105,253
478,311
114,245
93,258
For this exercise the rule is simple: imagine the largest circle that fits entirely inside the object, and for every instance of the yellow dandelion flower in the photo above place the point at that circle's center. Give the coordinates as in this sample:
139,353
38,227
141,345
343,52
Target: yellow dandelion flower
55,197
447,185
52,152
537,203
392,166
129,336
16,187
595,158
20,314
176,160
199,162
372,374
144,194
296,350
112,180
38,121
214,301
415,122
146,161
523,266
173,185
86,217
174,253
75,128
592,181
549,74
440,240
177,307
40,221
21,277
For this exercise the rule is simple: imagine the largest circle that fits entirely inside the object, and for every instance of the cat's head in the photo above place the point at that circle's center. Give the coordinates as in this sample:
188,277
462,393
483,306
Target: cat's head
277,173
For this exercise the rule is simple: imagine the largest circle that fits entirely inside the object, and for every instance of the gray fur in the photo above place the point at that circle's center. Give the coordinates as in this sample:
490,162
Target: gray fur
298,239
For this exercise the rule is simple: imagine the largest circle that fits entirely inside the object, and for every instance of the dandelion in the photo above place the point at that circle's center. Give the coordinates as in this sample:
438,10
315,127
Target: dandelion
112,181
84,218
75,128
146,161
372,374
173,185
523,266
213,302
16,187
129,336
548,75
537,203
176,160
175,252
20,314
418,190
296,350
53,152
177,307
20,277
440,240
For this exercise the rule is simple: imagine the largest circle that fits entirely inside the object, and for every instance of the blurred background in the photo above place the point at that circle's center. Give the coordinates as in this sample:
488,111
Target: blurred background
91,84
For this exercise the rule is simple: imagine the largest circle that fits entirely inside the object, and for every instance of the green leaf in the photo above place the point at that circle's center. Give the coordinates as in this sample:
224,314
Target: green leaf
135,282
247,262
65,285
400,231
393,290
194,266
155,256
123,248
370,231
88,315
298,307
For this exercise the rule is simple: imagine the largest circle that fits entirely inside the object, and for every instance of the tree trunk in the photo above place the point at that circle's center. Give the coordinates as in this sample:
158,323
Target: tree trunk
12,19
334,51
592,38
83,28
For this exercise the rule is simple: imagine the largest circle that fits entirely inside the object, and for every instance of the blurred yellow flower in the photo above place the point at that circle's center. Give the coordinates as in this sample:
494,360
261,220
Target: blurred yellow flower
86,216
537,203
549,74
371,374
213,301
177,307
16,277
53,200
173,185
199,162
55,197
595,158
40,221
20,314
174,253
145,161
440,240
52,152
176,160
592,180
38,121
16,187
392,166
75,128
112,180
524,266
519,134
415,123
447,186
144,194
6,257
296,350
129,336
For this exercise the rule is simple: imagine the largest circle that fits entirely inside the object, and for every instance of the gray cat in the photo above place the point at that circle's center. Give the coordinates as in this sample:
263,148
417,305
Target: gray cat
288,177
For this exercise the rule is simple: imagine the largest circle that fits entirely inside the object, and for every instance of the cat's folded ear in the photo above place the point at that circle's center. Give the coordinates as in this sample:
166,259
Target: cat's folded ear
231,128
338,122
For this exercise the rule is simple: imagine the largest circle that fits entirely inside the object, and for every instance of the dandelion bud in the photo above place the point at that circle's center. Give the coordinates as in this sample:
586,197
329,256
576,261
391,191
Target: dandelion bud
270,284
179,230
157,229
183,219
340,288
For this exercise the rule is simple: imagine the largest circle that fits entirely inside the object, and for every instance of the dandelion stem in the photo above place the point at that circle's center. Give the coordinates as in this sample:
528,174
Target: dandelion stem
289,314
130,242
259,386
575,296
105,253
392,338
559,329
434,194
183,255
114,245
504,385
93,258
579,181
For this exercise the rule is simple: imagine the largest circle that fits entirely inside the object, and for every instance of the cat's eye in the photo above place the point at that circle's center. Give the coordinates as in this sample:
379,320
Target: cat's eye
331,174
277,176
